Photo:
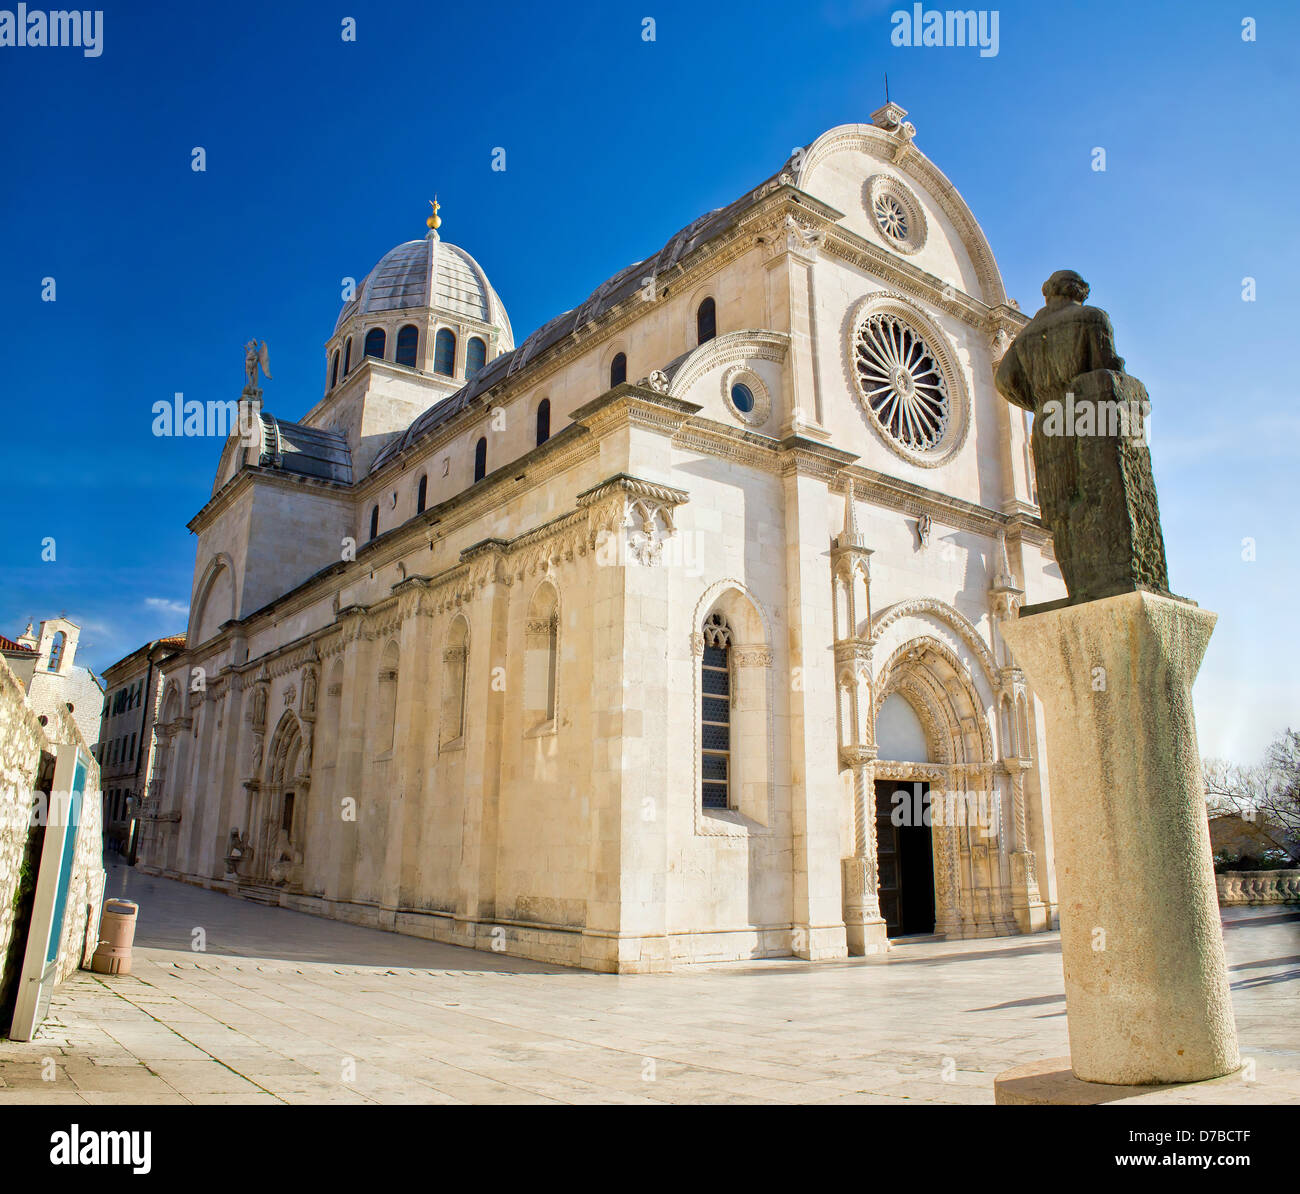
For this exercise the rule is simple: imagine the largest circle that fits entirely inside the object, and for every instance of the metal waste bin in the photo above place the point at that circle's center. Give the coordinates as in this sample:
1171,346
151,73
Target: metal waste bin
116,933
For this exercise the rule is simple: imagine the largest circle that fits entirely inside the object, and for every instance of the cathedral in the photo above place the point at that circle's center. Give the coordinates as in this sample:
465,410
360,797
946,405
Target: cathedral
670,633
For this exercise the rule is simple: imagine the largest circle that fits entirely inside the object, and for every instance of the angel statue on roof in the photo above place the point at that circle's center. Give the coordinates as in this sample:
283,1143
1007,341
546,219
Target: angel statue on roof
253,358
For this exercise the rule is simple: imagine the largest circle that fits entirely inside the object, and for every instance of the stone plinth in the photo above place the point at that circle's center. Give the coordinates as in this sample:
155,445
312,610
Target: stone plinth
1146,984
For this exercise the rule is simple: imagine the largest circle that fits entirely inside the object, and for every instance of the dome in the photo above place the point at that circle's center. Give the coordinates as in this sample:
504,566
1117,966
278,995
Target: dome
429,273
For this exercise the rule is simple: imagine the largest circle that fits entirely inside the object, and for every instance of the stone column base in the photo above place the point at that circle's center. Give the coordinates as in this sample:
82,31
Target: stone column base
818,943
864,927
1051,1083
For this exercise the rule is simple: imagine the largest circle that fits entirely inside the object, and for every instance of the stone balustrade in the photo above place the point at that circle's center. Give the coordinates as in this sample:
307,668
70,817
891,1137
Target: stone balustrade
1259,887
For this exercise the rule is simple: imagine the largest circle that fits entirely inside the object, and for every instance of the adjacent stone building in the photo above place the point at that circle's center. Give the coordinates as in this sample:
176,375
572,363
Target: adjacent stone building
44,664
670,633
133,687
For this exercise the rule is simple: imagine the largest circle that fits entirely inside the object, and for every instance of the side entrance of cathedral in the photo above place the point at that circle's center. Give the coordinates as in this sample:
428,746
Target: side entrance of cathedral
669,634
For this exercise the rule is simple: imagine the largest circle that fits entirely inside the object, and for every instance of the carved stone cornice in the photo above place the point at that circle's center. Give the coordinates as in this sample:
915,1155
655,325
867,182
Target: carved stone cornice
810,458
636,406
853,650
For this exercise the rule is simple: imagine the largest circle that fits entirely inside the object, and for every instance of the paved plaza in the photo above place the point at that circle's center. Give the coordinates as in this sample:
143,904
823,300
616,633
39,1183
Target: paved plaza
282,1007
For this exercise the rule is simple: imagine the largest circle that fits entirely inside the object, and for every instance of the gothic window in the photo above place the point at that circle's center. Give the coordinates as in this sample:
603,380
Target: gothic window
444,352
715,714
455,659
543,421
422,494
408,341
706,321
347,357
375,342
334,370
374,522
901,382
480,459
618,370
56,650
475,356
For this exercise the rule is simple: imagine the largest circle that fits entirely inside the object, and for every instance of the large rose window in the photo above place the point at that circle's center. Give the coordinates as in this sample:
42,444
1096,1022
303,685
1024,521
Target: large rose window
901,382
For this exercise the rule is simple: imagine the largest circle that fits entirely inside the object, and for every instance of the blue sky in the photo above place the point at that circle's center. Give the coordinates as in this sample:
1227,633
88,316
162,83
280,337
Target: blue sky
322,154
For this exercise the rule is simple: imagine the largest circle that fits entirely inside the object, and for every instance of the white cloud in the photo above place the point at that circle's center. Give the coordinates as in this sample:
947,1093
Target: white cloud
168,607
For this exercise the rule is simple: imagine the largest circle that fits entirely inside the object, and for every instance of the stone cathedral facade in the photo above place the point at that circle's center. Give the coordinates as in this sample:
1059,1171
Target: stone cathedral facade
670,633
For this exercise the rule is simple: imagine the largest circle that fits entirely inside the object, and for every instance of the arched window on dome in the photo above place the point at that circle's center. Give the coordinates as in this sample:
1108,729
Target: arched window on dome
374,522
543,421
422,494
408,343
618,370
375,343
480,459
706,321
334,370
475,356
444,352
347,357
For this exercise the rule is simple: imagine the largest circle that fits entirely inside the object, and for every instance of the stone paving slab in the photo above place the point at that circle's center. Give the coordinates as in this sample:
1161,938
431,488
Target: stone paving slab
287,1008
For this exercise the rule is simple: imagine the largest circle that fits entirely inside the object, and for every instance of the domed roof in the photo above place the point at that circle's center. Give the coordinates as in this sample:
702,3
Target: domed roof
429,273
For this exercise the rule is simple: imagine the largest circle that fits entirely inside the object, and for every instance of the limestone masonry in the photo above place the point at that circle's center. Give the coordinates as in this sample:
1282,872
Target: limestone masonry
670,633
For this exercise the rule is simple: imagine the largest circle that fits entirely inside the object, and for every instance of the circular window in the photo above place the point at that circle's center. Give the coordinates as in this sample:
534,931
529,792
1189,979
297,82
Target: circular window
897,213
746,396
901,382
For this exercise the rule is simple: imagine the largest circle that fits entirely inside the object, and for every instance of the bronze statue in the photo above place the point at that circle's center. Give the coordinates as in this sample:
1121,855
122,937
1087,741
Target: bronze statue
1095,488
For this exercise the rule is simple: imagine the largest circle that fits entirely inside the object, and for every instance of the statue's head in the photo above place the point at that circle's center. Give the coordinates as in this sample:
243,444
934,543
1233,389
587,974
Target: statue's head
1066,284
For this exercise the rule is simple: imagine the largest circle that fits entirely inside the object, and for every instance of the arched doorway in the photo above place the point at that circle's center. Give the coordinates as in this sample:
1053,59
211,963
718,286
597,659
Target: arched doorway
904,833
929,709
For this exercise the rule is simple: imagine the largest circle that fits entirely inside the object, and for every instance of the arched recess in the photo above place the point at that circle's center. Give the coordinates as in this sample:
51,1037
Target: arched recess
281,805
455,683
752,706
214,601
542,660
728,349
385,724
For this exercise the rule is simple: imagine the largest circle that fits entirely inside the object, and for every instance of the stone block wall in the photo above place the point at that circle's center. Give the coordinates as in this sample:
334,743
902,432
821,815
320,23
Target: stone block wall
22,738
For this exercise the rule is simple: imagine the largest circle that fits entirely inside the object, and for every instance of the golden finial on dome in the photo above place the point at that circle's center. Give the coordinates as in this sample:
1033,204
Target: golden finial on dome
434,222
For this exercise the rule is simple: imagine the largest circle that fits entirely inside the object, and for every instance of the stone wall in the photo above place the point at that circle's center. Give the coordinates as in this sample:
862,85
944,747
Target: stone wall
22,738
1258,887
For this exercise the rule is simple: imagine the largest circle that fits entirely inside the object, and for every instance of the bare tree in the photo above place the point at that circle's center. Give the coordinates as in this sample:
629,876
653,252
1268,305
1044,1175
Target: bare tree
1266,796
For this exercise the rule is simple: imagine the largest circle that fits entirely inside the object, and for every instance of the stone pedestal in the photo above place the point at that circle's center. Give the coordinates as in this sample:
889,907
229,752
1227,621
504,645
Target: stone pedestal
864,927
1146,984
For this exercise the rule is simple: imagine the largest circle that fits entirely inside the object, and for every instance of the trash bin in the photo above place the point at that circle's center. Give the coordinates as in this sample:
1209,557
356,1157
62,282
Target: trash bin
116,933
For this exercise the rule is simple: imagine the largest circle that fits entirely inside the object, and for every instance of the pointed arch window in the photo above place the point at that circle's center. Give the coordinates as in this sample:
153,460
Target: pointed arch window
618,370
422,493
706,321
334,370
480,459
374,522
376,341
444,352
715,714
543,421
408,343
475,356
